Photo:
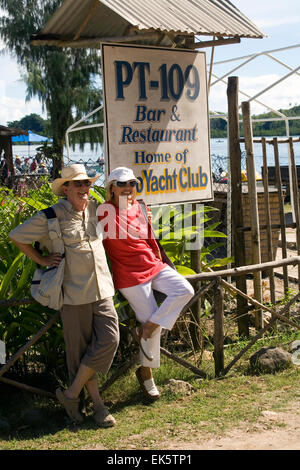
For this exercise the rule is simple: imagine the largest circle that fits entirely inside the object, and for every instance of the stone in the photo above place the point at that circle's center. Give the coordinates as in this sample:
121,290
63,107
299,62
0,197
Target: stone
270,359
271,415
295,346
180,386
4,426
33,417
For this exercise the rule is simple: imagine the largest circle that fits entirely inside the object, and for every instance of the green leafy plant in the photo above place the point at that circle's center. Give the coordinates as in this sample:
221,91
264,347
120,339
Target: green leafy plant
19,324
179,231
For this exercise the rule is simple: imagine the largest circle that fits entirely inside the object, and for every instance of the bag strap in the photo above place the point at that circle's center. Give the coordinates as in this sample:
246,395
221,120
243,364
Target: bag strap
50,214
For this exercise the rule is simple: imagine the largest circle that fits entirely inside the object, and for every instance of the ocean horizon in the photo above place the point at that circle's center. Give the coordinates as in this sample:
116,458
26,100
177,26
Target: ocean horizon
218,152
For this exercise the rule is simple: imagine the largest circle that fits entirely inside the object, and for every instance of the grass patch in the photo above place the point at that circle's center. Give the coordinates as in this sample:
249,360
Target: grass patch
214,407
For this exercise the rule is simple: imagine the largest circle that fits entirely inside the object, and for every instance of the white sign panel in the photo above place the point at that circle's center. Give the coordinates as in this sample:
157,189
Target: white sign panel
156,118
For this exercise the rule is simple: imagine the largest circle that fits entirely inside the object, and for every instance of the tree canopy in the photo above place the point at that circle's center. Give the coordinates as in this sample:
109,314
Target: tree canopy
218,126
33,122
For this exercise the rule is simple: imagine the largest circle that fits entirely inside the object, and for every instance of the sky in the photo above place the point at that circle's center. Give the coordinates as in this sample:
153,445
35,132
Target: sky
279,20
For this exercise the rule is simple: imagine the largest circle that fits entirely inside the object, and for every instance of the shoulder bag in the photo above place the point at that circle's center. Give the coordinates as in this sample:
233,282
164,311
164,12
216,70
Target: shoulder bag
46,286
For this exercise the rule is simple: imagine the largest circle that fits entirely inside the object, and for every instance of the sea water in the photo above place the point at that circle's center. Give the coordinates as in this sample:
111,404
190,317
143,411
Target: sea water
218,151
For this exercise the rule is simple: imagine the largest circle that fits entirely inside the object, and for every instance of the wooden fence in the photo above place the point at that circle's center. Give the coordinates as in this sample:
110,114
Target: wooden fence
257,226
208,281
216,281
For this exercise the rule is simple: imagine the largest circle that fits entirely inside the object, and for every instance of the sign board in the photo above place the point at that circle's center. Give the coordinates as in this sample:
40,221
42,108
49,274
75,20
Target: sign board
156,118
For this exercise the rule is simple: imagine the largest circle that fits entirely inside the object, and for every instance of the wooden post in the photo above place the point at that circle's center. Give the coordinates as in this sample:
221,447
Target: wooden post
27,388
219,328
9,160
268,220
236,200
281,213
209,274
295,200
195,330
255,232
259,334
33,340
184,363
230,287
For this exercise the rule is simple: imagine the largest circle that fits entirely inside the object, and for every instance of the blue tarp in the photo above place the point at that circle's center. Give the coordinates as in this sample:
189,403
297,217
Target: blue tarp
30,138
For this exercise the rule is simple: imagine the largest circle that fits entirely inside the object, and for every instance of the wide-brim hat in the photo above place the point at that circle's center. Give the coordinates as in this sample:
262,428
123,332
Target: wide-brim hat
122,174
71,173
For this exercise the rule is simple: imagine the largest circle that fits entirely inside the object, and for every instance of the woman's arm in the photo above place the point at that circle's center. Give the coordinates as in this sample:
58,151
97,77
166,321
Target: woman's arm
50,260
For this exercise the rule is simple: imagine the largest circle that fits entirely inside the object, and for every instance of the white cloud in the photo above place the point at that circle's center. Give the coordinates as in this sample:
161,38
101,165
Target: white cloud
12,93
283,95
13,109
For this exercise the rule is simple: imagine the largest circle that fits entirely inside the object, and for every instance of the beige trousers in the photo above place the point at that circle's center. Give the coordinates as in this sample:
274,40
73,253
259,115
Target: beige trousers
91,333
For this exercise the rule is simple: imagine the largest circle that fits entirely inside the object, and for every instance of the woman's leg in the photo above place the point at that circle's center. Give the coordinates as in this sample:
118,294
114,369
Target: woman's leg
143,303
92,337
104,340
141,298
178,291
83,376
77,323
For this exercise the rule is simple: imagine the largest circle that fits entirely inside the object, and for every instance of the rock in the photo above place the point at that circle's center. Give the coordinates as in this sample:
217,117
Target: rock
33,417
271,415
270,359
295,346
4,426
295,351
180,386
207,355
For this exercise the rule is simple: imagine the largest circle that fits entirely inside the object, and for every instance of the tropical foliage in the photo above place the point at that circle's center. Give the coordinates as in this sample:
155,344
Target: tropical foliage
178,232
19,323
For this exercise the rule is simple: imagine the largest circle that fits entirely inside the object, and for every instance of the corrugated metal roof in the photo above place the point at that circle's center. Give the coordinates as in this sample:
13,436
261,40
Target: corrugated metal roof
10,131
114,18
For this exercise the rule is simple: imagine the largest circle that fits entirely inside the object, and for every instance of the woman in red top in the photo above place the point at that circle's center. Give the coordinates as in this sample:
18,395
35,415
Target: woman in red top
138,270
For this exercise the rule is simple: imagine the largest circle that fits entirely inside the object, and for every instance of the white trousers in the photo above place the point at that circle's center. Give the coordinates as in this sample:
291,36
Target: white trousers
141,298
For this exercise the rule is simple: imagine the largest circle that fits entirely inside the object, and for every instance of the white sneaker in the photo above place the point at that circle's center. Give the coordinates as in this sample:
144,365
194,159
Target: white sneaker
148,386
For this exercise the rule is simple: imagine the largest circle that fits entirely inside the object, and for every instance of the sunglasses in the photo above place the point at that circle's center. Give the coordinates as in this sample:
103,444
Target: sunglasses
80,183
123,184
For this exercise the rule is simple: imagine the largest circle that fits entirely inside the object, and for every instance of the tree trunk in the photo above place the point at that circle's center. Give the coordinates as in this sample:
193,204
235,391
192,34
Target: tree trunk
58,160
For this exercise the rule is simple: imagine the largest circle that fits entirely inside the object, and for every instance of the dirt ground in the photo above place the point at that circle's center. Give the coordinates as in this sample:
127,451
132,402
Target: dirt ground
273,431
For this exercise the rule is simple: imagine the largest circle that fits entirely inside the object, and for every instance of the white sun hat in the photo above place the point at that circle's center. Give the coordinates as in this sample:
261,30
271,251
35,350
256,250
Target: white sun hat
122,174
71,173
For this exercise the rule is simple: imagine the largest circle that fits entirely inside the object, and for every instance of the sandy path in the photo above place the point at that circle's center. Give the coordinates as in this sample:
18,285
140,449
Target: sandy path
273,431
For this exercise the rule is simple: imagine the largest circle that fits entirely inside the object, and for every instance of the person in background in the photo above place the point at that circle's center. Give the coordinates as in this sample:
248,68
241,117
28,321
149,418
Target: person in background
90,322
4,171
138,270
26,165
18,165
33,166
